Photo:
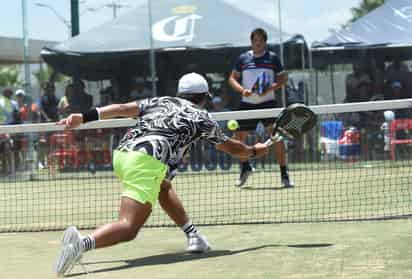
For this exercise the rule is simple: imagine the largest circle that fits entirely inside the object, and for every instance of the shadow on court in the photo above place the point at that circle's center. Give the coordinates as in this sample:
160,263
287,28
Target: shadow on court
177,257
271,188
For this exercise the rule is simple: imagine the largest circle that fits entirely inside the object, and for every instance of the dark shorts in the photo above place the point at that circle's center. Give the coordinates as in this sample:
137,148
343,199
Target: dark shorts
250,124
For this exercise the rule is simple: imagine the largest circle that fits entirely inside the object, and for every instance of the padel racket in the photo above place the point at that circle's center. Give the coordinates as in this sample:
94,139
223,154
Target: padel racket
292,122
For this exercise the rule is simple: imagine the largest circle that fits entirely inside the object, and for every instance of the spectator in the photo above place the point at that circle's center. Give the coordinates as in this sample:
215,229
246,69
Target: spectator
396,71
63,106
218,106
397,90
82,101
359,86
378,77
8,115
106,96
139,90
258,69
48,103
28,113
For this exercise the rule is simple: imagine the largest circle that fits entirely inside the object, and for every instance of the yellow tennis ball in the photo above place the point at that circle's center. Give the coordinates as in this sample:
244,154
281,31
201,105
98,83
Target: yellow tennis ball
232,125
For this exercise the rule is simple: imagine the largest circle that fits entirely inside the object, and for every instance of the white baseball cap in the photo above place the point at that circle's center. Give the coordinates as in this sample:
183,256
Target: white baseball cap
20,92
192,84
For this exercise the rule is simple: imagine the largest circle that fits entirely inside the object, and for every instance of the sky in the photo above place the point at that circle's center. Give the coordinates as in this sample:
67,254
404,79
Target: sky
312,18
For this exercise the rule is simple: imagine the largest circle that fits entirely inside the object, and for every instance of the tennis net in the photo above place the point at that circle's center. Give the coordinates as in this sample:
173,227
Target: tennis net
354,165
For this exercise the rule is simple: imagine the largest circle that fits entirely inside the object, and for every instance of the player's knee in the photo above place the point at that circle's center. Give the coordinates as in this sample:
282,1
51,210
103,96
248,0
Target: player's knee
129,231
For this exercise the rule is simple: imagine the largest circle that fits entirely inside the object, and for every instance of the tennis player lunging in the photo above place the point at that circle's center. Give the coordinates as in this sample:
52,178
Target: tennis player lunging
146,156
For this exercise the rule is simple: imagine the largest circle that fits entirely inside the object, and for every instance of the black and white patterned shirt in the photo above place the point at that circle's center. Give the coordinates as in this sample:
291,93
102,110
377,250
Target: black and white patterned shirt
167,126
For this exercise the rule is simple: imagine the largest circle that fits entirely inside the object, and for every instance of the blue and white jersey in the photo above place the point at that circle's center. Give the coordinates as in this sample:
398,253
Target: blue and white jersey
167,127
258,73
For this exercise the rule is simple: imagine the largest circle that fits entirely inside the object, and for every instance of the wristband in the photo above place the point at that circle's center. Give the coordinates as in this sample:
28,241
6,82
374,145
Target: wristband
91,115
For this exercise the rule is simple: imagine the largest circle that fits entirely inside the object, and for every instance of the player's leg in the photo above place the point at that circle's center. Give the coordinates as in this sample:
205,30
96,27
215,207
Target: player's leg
132,216
245,167
172,205
281,158
280,154
141,187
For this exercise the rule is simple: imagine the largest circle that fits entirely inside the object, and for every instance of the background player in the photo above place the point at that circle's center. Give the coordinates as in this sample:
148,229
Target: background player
259,71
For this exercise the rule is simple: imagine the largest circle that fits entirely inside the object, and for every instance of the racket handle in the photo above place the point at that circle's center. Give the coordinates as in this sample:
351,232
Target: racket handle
275,138
269,142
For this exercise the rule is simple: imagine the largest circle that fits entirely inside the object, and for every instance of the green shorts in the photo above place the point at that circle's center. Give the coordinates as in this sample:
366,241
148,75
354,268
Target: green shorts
140,174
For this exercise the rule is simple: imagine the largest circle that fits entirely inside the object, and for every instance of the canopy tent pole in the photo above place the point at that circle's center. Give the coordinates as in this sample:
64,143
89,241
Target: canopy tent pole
152,53
332,82
282,60
27,87
302,49
310,74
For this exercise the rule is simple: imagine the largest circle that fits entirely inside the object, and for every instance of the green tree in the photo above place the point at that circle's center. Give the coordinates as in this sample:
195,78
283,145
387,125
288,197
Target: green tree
44,74
9,76
365,6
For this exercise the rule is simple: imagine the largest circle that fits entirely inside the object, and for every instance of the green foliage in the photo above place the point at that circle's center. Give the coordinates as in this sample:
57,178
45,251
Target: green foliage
44,74
365,7
9,76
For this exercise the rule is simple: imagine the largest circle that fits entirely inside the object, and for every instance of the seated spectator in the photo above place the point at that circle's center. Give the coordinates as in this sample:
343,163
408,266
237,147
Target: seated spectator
48,103
396,71
397,90
359,87
63,106
81,100
378,77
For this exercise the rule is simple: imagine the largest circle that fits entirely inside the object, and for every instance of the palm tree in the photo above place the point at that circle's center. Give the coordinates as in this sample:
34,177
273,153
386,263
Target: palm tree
365,7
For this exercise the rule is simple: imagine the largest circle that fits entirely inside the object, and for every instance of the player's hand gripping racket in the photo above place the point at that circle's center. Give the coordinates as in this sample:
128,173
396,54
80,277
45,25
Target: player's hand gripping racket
292,122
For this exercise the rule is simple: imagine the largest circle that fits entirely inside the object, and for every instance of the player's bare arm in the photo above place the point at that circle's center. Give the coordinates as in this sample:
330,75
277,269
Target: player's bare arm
234,83
241,150
74,120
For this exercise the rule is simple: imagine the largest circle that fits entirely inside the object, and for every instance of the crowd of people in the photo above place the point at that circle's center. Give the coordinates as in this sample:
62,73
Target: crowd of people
373,80
16,107
250,83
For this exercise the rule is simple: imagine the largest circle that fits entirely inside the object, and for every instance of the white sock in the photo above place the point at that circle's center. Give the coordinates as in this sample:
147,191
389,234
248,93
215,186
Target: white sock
189,228
88,243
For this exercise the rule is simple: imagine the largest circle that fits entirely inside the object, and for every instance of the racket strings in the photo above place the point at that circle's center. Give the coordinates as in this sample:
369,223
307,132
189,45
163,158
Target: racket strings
296,123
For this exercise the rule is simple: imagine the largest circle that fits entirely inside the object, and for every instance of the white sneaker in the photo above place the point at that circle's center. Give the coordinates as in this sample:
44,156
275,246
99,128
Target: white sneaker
71,252
69,255
197,243
244,175
286,182
71,236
